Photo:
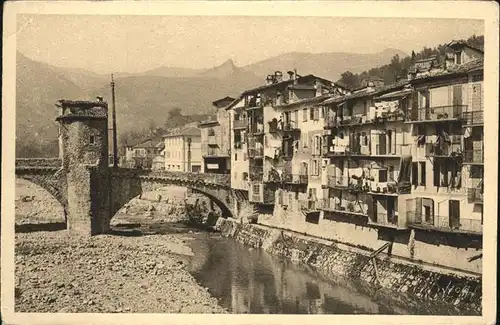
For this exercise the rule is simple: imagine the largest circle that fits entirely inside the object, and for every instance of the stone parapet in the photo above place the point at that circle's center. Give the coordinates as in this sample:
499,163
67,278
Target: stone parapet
38,162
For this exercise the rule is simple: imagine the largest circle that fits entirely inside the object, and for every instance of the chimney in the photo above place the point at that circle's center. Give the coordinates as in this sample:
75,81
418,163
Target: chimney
278,76
291,74
99,98
269,79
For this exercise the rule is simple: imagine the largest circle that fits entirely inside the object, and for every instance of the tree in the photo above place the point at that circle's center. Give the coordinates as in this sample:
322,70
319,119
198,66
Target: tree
350,79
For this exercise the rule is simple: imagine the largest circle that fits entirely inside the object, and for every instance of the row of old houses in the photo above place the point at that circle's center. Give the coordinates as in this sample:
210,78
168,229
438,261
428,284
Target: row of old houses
408,154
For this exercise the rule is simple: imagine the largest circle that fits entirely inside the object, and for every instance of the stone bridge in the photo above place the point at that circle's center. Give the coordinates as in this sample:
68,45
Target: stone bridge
124,185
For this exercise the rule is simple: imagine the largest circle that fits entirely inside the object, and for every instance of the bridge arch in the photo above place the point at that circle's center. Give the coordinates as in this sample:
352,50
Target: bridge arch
124,188
52,183
51,192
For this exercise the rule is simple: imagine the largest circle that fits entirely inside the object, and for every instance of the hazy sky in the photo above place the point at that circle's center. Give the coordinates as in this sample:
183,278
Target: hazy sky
136,43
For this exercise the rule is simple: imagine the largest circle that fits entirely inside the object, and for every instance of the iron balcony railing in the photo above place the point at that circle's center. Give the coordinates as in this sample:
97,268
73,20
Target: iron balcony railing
256,173
474,156
436,113
338,181
240,124
445,223
300,178
290,126
473,118
349,208
398,150
385,219
256,129
255,152
442,150
475,195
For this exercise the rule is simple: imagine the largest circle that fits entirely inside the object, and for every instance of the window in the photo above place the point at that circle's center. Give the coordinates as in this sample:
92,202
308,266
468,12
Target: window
382,175
178,166
235,157
256,188
245,176
92,139
211,132
422,173
311,113
314,167
440,173
305,140
304,115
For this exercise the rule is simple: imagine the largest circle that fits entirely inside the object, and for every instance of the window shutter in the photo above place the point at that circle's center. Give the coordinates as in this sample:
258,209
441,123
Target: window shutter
414,173
418,210
436,171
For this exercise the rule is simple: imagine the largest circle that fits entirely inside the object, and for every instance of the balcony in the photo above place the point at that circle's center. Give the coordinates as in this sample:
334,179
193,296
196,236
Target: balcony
439,113
445,224
398,151
349,207
310,205
443,150
255,153
256,173
386,220
300,178
473,118
340,182
330,122
474,156
256,129
209,151
212,140
290,126
475,195
240,124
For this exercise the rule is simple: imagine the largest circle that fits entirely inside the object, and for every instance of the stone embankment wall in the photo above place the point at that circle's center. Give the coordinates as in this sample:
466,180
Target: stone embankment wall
409,285
38,162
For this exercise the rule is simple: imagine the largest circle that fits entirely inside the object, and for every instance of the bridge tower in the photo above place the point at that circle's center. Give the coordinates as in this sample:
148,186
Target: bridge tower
84,144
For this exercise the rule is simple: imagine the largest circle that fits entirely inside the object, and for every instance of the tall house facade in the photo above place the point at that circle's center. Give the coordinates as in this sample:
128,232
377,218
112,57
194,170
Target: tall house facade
367,151
240,177
282,121
447,129
215,139
183,151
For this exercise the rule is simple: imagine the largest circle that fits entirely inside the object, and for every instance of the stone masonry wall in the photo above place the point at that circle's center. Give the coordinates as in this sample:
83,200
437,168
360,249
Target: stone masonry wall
405,284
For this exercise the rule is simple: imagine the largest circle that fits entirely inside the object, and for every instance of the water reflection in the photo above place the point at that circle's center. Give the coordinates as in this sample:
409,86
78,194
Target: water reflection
253,281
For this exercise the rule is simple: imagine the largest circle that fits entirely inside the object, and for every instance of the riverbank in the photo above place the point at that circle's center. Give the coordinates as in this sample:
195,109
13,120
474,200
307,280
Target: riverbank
422,290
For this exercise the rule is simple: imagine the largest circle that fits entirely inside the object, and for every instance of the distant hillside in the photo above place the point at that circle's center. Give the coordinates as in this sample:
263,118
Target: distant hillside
142,102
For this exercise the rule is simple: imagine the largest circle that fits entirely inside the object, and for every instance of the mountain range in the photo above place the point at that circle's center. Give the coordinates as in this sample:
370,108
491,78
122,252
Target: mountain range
144,99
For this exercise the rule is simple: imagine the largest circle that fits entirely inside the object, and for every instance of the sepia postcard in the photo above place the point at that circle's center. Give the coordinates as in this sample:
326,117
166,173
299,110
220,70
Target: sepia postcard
234,162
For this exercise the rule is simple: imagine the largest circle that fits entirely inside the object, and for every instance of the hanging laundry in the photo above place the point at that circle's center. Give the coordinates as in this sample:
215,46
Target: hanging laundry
446,137
421,140
467,133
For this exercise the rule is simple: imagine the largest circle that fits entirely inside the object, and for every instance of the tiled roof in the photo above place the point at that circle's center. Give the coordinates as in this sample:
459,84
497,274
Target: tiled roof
79,103
473,65
304,101
461,44
227,98
283,83
368,91
148,143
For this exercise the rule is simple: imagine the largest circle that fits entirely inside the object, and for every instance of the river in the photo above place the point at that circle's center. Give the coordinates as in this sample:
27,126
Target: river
247,280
